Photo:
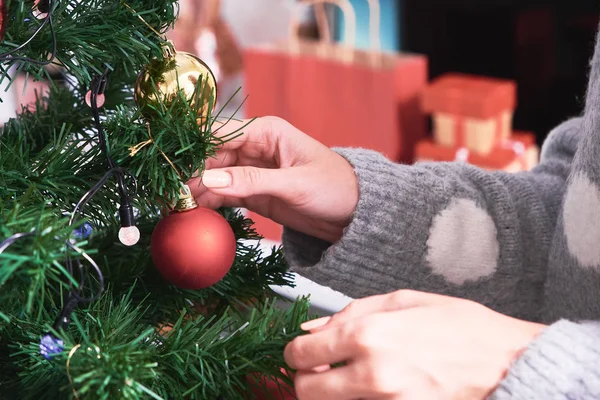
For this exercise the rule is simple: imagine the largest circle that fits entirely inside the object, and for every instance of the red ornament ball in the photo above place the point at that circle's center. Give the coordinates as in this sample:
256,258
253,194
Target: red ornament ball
271,389
193,249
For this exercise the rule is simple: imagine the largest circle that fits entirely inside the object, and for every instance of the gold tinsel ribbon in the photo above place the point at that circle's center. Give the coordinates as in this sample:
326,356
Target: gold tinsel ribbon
71,354
136,149
143,20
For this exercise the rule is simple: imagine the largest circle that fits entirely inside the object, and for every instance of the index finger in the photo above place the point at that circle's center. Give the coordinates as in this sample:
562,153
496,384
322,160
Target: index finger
398,300
324,347
236,133
229,129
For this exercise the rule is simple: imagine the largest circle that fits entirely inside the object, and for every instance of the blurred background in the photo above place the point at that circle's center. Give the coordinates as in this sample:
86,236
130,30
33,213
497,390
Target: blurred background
543,45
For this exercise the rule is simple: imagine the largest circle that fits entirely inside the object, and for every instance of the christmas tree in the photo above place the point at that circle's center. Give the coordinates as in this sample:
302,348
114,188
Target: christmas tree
101,158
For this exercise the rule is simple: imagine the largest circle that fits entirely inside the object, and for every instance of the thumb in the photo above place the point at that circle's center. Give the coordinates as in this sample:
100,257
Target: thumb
241,182
395,301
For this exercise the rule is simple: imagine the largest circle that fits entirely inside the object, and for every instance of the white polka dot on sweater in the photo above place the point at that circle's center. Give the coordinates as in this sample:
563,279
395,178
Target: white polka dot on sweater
581,216
463,244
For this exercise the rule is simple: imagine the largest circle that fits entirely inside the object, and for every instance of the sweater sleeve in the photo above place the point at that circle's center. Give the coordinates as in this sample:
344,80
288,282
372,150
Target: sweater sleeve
448,228
561,364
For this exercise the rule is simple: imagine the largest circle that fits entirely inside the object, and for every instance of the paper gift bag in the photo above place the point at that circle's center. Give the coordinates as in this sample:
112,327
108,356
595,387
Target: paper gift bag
339,95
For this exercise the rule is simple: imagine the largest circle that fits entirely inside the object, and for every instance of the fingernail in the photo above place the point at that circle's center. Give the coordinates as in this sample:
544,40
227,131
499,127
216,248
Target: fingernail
321,368
315,323
216,179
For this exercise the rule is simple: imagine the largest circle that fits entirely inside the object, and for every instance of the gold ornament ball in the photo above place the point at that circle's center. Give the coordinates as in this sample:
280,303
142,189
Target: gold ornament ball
161,80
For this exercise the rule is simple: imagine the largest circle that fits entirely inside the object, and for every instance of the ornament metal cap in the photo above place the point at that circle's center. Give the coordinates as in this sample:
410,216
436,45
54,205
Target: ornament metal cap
186,201
168,49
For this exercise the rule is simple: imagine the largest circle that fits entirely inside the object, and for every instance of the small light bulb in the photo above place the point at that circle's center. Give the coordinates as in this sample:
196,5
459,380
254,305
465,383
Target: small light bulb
129,235
100,99
50,346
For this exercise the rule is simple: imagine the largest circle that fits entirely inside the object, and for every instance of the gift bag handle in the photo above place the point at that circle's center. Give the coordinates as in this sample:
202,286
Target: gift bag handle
374,24
349,17
375,32
374,29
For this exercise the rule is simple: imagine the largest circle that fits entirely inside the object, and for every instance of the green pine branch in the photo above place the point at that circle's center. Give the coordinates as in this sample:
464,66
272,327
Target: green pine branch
112,352
90,35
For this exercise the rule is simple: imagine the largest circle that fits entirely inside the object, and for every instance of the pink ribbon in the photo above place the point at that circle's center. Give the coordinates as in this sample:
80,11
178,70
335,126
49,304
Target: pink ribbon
462,155
518,148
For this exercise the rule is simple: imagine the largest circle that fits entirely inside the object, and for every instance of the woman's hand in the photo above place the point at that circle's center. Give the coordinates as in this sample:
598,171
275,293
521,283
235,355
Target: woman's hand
408,345
281,173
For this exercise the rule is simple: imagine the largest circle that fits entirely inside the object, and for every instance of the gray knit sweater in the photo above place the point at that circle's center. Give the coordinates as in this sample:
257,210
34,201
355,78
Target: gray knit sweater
526,244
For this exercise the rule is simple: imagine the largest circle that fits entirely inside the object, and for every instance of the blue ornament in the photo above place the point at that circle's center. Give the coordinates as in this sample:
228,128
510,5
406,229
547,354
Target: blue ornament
84,231
50,345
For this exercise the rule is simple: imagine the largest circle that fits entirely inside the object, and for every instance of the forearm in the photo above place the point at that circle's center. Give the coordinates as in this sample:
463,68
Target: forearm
561,364
445,228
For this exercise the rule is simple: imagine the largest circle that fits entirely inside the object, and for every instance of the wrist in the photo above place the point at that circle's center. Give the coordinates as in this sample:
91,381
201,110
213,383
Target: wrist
530,332
331,232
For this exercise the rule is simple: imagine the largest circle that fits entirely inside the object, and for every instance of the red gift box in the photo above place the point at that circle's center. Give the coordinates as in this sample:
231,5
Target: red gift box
518,153
470,111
